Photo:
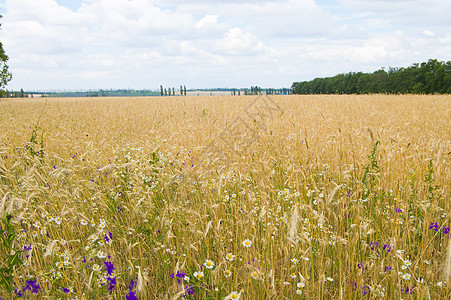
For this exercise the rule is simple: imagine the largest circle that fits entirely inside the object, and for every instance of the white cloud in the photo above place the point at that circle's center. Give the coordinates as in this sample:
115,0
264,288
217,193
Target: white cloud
200,43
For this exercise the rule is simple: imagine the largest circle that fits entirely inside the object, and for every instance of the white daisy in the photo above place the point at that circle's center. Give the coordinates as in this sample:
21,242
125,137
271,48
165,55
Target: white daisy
230,257
209,264
247,243
198,275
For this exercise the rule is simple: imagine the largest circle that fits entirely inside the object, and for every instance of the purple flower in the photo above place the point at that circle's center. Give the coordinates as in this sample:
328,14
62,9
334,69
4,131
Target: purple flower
387,269
387,247
434,226
365,289
18,293
109,267
189,290
111,284
398,210
360,265
374,245
32,286
66,290
131,296
445,230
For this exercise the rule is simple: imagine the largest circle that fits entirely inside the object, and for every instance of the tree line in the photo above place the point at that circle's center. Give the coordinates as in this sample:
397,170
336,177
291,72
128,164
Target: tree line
431,77
169,92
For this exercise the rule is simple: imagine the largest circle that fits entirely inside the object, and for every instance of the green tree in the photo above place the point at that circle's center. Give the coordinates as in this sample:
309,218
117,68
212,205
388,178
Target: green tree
165,92
161,90
5,75
184,90
173,91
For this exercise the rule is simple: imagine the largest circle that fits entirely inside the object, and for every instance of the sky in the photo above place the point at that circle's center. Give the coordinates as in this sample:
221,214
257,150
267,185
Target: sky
142,44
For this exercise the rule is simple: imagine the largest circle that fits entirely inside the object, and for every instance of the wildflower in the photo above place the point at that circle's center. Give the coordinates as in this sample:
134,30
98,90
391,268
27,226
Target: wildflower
87,248
32,286
427,262
403,267
57,275
434,226
101,254
300,285
407,262
111,284
227,273
230,257
406,276
293,275
440,284
58,220
93,237
398,210
254,275
374,245
446,230
95,267
198,275
298,292
66,290
330,279
247,243
234,295
66,263
59,264
209,264
109,267
294,260
387,247
84,222
286,283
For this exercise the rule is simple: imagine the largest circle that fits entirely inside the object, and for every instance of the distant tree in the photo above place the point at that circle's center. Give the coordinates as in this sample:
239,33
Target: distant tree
5,75
184,90
165,92
161,90
181,90
173,91
22,94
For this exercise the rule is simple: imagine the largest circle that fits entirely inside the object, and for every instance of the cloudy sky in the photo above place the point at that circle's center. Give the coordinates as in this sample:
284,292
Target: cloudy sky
140,44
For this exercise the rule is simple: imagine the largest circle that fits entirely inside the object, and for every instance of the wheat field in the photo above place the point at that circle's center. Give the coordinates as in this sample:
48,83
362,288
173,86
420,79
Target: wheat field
226,197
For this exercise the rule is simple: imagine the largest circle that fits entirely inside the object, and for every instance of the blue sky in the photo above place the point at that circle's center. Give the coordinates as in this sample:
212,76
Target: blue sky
140,44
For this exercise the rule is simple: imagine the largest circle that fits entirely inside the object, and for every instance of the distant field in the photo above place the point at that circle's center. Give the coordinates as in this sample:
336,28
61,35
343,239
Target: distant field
327,197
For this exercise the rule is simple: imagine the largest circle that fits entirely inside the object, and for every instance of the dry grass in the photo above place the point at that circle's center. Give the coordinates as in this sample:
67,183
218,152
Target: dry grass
322,206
